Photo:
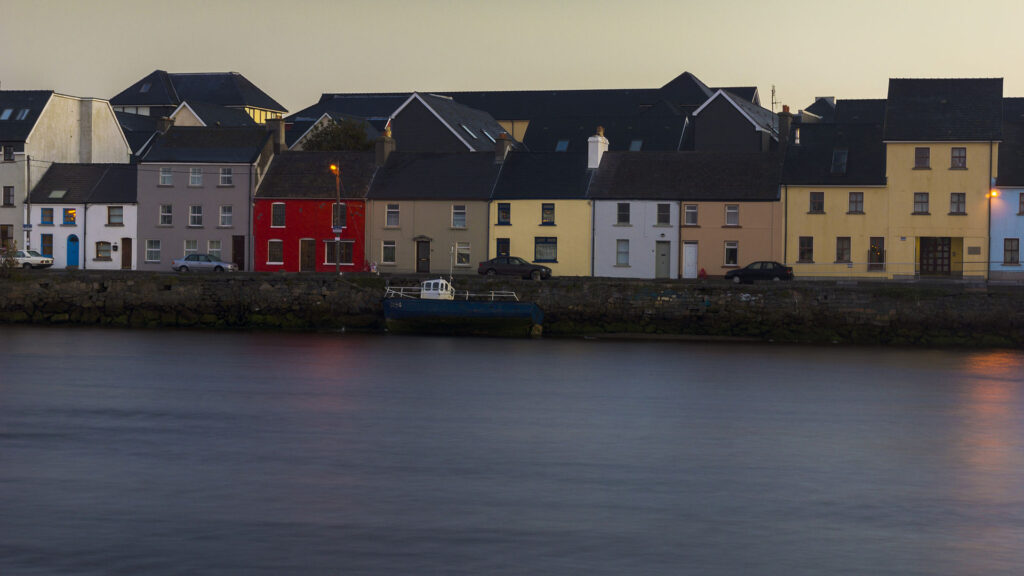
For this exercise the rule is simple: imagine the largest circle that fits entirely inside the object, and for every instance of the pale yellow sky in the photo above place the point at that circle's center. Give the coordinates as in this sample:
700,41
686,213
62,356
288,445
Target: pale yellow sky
297,49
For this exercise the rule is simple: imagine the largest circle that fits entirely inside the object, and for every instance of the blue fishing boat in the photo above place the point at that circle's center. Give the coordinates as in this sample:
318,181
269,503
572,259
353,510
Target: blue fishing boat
436,307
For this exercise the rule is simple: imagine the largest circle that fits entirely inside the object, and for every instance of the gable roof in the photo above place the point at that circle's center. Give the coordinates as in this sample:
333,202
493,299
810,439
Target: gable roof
824,107
137,129
864,111
435,176
469,125
762,119
695,176
810,161
296,130
657,128
302,174
12,129
216,115
543,175
234,145
161,88
944,109
87,184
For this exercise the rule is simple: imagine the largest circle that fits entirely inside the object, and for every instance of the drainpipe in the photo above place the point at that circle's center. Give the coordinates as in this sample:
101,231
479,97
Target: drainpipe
84,248
785,226
28,200
988,229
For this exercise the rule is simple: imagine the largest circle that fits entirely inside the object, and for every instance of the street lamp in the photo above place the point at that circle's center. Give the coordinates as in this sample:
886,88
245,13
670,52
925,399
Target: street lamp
336,170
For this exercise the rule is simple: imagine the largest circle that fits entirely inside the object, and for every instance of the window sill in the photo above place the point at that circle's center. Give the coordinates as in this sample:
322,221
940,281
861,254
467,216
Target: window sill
622,225
545,261
108,225
920,213
7,206
503,224
457,228
731,226
957,214
225,185
151,261
224,227
621,266
958,167
51,223
730,265
102,260
691,225
815,211
165,185
805,261
860,212
843,262
546,224
662,225
922,167
68,225
165,225
272,227
1011,264
275,263
392,227
195,227
195,186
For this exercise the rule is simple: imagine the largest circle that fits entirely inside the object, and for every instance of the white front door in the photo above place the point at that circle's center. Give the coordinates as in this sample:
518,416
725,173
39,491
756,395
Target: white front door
689,260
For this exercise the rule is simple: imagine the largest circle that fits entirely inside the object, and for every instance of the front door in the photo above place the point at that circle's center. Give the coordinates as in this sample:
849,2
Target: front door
689,260
935,256
72,251
662,265
238,251
423,256
307,255
503,245
126,253
876,254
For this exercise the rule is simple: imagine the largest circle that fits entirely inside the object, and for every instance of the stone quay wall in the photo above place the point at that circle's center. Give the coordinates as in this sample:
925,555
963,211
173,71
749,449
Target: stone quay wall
918,313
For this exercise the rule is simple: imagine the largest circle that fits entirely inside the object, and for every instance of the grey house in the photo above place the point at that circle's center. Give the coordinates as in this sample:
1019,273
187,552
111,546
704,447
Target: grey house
196,190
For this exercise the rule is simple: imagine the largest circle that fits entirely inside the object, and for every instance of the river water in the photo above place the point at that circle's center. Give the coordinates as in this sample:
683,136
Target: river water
178,452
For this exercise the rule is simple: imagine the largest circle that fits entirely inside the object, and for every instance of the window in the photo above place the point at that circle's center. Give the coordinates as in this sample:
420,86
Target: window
213,249
732,253
346,251
922,158
103,251
561,146
839,161
226,216
958,203
462,254
166,215
277,215
843,249
505,213
166,177
664,214
468,131
195,176
920,202
22,114
806,249
545,249
6,114
152,250
732,214
195,215
547,214
339,216
387,252
690,212
115,215
817,205
856,203
145,88
1011,250
8,195
46,216
623,214
191,247
502,246
46,245
958,159
622,252
226,177
636,145
391,218
6,235
275,252
459,216
70,214
8,154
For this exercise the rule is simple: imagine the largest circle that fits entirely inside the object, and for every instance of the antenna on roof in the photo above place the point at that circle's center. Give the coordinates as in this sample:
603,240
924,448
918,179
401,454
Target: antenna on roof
773,97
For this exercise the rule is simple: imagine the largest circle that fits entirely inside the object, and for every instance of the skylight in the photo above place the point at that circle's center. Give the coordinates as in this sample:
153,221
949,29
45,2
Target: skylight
561,146
57,193
488,134
636,145
145,88
6,114
468,131
23,114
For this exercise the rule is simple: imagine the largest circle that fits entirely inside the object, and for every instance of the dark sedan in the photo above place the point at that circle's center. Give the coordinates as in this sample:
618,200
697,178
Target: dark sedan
514,266
760,271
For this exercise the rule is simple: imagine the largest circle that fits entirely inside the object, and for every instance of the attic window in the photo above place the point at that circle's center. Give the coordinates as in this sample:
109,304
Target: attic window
636,145
145,88
839,161
468,131
6,114
57,193
796,135
561,146
488,134
22,114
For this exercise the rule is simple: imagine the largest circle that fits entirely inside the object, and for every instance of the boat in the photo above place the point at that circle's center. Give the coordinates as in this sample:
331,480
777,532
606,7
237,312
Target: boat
436,307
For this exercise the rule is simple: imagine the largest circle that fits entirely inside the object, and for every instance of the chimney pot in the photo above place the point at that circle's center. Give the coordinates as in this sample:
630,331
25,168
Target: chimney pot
385,146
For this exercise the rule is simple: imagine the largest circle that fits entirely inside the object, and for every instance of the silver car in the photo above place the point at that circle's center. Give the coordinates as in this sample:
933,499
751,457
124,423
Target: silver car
32,259
202,263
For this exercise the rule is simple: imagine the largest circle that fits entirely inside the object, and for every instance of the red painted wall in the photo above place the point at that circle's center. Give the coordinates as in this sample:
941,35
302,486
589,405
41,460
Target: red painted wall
307,219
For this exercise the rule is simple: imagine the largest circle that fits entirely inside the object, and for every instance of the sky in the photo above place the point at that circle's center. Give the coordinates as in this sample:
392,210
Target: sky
295,50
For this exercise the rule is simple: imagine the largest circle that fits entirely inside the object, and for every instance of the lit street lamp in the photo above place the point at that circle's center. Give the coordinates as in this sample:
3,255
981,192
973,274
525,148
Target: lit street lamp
335,225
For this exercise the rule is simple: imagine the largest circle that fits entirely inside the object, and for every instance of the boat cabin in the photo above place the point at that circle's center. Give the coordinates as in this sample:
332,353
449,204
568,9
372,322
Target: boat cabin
439,289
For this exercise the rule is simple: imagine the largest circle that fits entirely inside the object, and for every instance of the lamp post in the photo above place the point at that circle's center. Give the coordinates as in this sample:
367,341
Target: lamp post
336,170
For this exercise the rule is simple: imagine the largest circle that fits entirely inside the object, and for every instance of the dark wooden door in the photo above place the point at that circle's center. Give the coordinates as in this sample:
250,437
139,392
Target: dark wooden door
502,247
935,256
307,255
423,256
238,251
126,253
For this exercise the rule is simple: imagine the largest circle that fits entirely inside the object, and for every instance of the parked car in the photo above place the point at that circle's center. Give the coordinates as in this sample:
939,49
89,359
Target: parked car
763,270
514,266
32,259
202,263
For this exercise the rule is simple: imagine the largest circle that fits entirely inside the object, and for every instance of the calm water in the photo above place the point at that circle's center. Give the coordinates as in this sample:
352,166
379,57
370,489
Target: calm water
143,452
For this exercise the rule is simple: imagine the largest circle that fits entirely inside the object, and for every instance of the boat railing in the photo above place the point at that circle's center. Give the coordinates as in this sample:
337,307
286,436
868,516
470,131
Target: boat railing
402,292
416,292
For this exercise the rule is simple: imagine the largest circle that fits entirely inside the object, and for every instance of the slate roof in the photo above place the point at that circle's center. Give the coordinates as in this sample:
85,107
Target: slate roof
12,129
375,108
868,111
543,176
823,107
810,162
138,129
88,184
763,118
694,176
1011,150
302,174
435,176
221,88
460,118
217,115
295,129
237,145
659,128
946,109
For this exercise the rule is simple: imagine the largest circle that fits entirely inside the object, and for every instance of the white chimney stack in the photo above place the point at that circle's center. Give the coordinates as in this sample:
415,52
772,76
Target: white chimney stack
597,145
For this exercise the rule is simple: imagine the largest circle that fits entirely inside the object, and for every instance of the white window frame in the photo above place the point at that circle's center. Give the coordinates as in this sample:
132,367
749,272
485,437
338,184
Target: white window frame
459,209
280,244
619,213
169,213
191,247
227,177
735,247
166,176
214,248
689,209
153,249
195,216
462,254
732,214
274,213
392,210
227,216
622,252
195,176
384,246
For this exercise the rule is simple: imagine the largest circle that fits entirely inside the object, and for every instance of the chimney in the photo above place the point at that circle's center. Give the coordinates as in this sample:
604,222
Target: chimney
163,124
597,145
385,146
785,121
276,125
502,147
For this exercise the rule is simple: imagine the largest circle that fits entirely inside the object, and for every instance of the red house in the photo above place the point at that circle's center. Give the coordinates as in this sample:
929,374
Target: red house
294,229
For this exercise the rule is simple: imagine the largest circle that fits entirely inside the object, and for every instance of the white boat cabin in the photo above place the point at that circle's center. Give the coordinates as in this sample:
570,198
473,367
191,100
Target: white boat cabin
439,289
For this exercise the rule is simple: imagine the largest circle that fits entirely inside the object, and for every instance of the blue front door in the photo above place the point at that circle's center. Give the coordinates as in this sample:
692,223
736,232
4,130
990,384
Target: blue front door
72,251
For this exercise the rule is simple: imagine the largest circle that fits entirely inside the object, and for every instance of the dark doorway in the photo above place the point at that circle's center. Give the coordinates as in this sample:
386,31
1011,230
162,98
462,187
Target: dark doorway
307,255
423,256
238,251
935,256
126,253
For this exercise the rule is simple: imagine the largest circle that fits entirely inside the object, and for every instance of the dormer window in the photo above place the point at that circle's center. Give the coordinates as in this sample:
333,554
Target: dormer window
636,145
145,88
839,161
6,114
561,146
22,114
468,131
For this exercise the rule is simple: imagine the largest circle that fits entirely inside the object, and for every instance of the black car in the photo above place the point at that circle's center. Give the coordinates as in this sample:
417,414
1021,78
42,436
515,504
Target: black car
763,270
514,266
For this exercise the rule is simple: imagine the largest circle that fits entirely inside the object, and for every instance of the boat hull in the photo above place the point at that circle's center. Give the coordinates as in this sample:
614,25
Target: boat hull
463,317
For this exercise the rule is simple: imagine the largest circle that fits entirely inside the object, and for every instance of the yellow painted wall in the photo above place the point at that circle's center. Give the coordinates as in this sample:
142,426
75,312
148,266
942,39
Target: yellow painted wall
572,228
939,182
517,128
185,117
835,222
758,236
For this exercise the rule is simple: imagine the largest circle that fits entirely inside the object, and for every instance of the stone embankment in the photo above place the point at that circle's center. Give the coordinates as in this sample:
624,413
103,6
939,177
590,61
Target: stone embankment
920,313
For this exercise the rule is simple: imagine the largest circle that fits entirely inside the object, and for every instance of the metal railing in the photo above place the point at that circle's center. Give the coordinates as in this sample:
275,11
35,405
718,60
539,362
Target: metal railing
416,291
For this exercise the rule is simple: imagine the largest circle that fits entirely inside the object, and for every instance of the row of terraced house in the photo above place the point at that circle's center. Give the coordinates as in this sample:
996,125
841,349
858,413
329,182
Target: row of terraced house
680,181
